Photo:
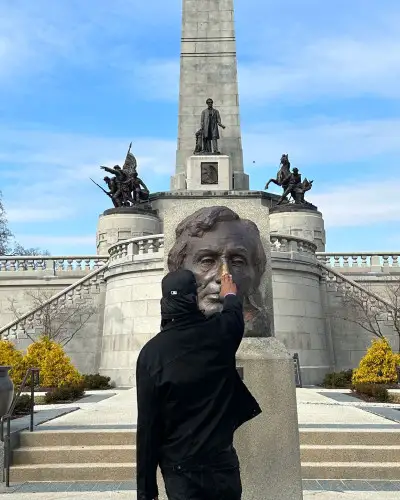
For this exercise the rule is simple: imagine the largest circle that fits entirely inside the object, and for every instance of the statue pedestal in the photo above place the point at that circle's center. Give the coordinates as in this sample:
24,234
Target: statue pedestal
119,224
209,172
268,446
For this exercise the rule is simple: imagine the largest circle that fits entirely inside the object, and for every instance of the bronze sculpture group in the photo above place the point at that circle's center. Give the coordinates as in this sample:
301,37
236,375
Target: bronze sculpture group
291,183
126,188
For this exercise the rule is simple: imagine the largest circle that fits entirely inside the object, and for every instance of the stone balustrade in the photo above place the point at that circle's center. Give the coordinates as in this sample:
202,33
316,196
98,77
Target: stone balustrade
136,248
285,243
82,289
51,265
360,260
340,283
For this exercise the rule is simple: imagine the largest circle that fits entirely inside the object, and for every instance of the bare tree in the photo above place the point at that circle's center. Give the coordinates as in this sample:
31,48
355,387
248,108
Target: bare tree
365,310
59,320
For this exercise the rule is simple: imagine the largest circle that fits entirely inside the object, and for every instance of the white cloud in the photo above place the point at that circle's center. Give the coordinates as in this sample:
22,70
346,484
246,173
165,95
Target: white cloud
362,204
341,66
48,179
37,212
44,241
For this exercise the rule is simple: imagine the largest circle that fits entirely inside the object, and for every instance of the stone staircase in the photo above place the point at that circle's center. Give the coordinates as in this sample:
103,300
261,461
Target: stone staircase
350,454
74,456
110,455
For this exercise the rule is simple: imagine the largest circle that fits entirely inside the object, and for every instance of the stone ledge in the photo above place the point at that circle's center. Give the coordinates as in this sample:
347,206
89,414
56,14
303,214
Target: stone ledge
137,210
262,348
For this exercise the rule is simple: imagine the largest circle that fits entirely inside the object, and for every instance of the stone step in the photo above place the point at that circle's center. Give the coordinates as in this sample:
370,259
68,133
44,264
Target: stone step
352,453
351,470
367,437
77,438
73,472
74,454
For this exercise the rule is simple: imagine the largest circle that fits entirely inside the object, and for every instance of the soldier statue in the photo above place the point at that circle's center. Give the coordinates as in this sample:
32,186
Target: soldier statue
291,183
126,189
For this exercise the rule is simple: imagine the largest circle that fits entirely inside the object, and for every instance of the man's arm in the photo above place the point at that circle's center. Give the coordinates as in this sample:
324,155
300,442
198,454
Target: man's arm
232,313
110,170
148,434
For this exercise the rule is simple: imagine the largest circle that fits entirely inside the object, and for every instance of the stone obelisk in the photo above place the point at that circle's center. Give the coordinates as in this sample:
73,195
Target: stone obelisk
209,70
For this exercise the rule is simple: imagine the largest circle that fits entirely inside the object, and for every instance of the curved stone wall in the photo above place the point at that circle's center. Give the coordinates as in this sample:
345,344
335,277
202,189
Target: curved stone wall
302,223
132,305
121,224
300,320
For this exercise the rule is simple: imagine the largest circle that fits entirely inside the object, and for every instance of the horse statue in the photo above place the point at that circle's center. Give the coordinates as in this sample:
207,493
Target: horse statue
283,173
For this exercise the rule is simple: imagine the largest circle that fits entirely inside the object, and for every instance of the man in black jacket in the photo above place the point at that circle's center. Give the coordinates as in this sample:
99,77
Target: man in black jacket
190,396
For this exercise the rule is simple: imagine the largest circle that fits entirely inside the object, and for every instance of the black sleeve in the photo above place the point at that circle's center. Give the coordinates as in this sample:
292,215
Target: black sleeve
148,434
232,320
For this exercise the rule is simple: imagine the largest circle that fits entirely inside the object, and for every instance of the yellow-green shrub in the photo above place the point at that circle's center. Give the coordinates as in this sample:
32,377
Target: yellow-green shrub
378,366
56,369
10,356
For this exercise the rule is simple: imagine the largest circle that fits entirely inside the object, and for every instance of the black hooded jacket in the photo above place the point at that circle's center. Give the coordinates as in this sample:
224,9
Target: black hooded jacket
190,396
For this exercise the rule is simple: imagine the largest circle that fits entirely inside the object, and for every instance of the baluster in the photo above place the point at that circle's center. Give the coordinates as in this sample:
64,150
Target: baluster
142,247
69,298
31,265
395,261
60,265
385,259
152,247
364,261
3,266
345,261
78,265
336,261
86,264
354,261
69,264
161,244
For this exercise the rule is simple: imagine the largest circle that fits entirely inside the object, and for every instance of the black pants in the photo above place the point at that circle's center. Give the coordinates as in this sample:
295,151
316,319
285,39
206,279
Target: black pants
218,479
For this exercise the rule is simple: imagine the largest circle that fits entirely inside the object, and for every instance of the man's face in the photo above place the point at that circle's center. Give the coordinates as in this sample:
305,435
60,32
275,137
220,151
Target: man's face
210,104
228,243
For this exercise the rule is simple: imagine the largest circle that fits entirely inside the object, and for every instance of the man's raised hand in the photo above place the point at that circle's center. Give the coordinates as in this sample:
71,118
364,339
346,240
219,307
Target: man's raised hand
227,286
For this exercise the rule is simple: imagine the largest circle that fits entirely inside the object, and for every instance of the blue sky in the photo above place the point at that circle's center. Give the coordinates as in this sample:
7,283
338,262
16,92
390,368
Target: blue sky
79,80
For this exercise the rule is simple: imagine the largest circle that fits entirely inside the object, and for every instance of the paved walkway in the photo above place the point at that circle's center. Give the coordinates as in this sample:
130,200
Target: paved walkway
317,409
131,495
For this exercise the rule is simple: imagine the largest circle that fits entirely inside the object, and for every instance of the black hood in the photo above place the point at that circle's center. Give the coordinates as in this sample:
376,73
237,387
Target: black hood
179,297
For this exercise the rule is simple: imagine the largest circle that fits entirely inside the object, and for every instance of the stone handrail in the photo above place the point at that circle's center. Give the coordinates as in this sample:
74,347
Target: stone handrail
359,259
52,265
136,247
342,283
81,288
288,243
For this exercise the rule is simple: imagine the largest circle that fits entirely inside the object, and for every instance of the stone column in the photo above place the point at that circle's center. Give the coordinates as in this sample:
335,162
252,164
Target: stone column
208,69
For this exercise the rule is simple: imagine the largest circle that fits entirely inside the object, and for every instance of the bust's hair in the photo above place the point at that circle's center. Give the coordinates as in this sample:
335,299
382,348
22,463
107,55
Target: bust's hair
203,221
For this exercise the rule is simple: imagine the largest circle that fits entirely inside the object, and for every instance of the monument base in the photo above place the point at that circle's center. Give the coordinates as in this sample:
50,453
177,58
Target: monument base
206,171
299,220
119,224
268,446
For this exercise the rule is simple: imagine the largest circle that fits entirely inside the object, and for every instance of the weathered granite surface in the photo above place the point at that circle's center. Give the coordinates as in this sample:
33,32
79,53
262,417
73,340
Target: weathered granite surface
268,446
